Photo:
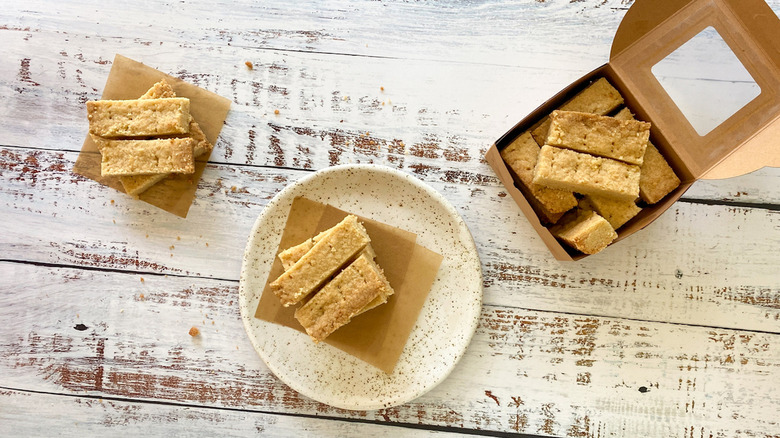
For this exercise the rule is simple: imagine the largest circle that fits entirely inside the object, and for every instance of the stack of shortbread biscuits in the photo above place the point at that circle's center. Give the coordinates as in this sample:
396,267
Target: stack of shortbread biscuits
334,274
145,140
585,173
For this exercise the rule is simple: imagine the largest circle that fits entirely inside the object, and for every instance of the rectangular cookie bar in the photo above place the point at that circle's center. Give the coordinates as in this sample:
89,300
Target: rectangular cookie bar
139,118
291,255
135,185
146,157
582,173
599,98
340,245
343,298
521,156
585,231
616,212
624,140
657,178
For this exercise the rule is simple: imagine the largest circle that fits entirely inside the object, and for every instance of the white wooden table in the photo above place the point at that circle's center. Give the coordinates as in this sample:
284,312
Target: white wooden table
674,331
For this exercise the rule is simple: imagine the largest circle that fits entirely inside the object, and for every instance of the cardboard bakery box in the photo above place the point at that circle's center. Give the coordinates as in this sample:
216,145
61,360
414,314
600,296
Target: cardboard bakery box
650,31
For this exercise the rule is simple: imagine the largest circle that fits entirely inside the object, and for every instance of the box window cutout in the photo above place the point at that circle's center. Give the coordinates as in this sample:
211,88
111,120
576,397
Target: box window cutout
713,88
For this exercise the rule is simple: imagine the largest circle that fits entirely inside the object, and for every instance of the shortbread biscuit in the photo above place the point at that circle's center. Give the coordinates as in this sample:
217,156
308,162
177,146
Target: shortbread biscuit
657,179
139,118
135,185
585,231
616,212
599,98
624,140
582,173
343,298
329,254
291,255
521,156
146,157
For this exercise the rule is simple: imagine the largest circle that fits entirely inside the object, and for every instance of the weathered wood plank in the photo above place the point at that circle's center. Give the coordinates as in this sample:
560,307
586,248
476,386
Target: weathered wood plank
522,31
81,416
525,371
698,279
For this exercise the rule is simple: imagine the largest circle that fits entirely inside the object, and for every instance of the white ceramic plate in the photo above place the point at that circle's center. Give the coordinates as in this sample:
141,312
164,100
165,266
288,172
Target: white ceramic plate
445,325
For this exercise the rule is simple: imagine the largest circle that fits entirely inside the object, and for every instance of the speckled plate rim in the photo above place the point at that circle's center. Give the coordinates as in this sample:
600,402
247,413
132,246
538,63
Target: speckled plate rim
256,264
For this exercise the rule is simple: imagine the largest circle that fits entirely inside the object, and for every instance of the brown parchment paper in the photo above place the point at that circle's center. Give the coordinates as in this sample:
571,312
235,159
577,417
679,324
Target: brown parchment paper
130,79
379,335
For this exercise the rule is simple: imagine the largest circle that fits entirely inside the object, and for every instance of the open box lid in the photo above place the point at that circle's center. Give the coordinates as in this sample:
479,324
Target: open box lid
747,140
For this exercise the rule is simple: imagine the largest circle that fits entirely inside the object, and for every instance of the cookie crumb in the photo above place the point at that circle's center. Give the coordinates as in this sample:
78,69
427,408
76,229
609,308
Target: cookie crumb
194,331
178,237
142,279
112,201
249,65
171,247
207,244
276,111
381,88
233,189
141,297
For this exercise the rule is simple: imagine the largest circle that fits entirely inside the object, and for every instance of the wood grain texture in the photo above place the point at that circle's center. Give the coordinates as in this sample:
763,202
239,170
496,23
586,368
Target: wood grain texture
379,29
116,335
702,284
80,416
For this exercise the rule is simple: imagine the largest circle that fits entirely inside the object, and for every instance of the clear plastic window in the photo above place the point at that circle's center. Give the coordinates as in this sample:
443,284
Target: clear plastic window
713,88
